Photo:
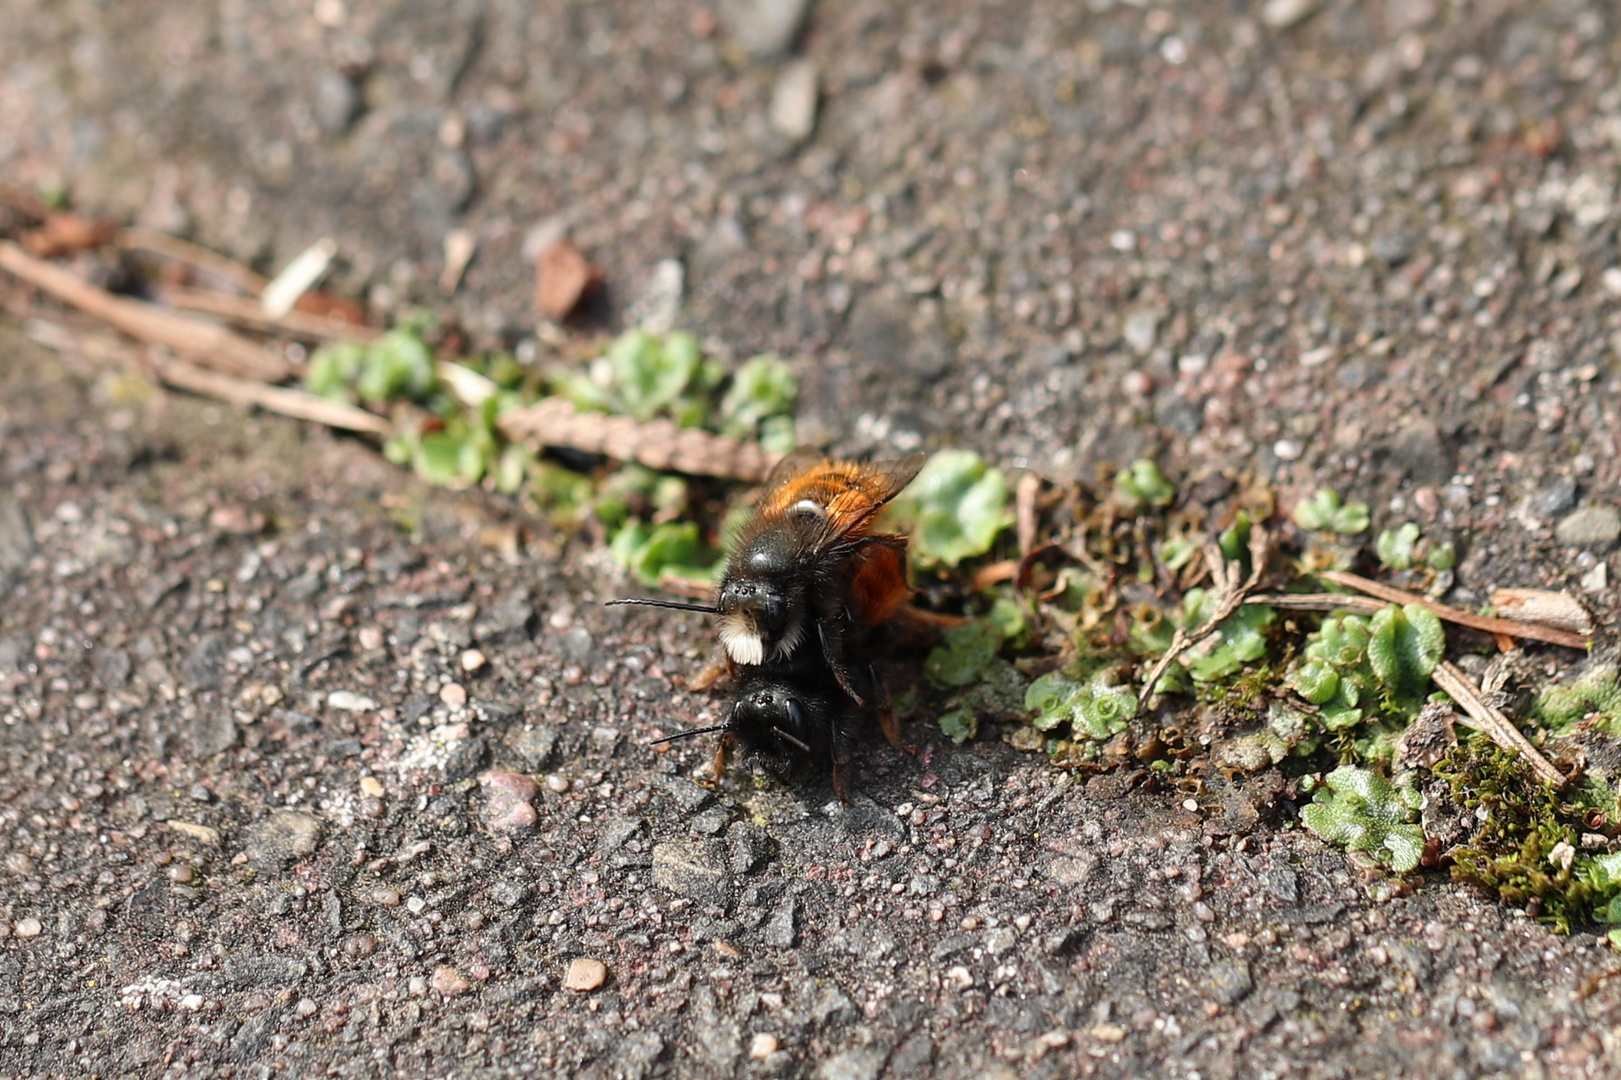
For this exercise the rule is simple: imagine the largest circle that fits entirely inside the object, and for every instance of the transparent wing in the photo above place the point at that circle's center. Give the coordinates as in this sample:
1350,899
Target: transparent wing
791,466
893,476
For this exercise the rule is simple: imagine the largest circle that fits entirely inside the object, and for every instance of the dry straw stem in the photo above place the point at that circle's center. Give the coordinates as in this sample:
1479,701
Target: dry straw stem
1500,728
207,342
1507,627
199,258
1357,605
658,444
245,311
1224,575
299,404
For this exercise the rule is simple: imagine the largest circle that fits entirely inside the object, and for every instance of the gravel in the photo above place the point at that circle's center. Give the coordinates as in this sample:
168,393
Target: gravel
990,225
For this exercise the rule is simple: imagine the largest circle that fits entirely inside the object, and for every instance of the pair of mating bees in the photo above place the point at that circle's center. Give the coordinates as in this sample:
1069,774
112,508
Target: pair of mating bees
807,584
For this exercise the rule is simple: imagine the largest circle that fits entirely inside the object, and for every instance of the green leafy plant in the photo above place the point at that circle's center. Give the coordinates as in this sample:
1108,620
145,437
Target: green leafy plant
1324,512
397,365
650,552
1405,548
959,725
1355,666
964,654
957,506
1239,639
1095,709
1361,810
1141,486
760,403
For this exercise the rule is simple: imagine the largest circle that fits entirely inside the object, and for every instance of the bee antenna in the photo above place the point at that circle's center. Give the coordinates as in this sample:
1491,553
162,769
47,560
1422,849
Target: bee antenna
783,735
678,736
643,601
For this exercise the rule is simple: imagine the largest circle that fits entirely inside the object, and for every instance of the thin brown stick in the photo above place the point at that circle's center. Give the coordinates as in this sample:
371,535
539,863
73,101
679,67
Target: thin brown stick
247,312
204,341
1025,494
299,404
658,444
1530,631
210,262
1224,575
1359,605
1500,728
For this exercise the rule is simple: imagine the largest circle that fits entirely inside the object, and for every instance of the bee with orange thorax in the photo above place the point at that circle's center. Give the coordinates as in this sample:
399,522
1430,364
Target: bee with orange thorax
807,580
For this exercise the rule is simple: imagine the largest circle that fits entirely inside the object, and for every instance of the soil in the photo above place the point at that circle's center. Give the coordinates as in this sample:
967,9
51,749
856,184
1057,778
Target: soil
274,712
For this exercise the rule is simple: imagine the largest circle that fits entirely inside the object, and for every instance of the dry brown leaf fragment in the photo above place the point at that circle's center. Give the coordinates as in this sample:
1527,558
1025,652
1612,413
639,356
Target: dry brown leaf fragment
1545,608
564,278
66,234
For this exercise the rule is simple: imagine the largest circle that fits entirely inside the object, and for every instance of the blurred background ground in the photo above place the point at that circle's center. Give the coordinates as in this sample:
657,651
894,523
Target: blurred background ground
1371,245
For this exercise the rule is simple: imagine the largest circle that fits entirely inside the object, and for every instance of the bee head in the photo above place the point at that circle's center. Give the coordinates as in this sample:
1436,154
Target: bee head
775,721
762,608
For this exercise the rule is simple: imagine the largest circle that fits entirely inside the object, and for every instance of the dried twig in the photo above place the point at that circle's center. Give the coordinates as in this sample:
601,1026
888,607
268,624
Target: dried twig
1359,605
1452,614
1224,576
1024,511
299,404
248,312
658,444
200,258
1486,718
205,341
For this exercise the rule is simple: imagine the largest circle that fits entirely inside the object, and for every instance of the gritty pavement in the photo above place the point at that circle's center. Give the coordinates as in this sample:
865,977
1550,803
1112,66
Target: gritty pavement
310,769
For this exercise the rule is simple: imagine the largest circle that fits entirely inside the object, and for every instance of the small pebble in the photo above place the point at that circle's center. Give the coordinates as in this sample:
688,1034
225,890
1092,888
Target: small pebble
762,1046
453,694
449,981
793,101
384,896
306,1007
191,1002
349,701
371,787
556,783
371,638
508,797
473,660
585,974
29,927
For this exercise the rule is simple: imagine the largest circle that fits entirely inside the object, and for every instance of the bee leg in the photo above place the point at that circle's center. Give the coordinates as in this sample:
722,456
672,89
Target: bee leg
720,667
721,747
833,651
843,754
887,723
839,787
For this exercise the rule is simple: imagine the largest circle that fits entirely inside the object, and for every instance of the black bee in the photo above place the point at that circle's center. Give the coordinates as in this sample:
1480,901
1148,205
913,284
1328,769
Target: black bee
791,716
808,564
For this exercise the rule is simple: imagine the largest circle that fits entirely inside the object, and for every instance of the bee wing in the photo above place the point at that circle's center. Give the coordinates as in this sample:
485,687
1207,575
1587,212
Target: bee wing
879,482
893,476
792,465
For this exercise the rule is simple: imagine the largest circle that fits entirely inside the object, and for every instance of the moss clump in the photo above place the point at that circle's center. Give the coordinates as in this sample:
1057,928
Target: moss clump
1594,699
1524,845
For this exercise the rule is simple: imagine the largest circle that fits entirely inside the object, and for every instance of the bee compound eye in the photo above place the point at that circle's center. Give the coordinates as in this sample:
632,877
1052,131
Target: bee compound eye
796,716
